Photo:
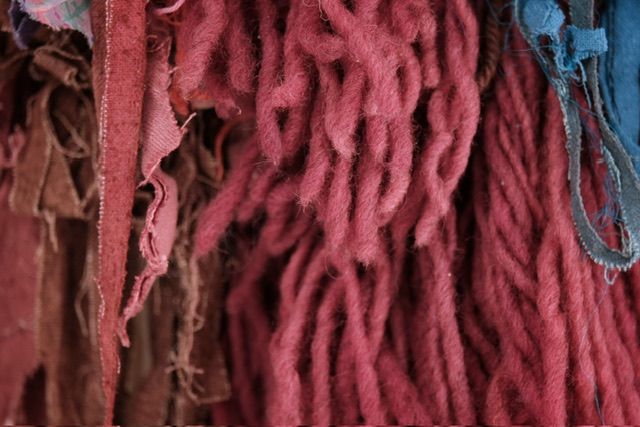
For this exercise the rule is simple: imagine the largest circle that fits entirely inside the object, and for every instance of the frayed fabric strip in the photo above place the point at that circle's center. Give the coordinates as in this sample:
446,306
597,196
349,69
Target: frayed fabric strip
160,136
574,51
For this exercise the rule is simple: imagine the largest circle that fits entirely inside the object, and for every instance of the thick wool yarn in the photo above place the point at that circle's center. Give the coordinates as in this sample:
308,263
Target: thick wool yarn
552,361
327,212
539,349
361,138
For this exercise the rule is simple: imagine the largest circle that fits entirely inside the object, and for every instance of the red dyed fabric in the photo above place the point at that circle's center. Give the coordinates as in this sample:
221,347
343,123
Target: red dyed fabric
160,136
119,69
19,242
18,288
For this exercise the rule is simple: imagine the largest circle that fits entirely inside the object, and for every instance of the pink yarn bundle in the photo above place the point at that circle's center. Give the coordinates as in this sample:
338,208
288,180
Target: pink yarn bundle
338,313
548,340
362,293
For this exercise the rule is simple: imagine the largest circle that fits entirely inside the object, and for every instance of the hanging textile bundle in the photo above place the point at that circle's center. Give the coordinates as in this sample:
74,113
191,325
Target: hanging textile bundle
339,211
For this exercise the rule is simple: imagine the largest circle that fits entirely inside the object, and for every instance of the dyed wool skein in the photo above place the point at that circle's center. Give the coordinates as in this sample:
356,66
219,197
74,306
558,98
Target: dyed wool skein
341,206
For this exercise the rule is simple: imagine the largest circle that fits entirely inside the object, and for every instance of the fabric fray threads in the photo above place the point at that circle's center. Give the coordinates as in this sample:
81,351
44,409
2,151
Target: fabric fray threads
145,392
45,185
336,232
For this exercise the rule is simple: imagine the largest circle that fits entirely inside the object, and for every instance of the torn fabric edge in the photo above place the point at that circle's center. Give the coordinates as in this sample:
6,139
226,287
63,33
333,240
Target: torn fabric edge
160,136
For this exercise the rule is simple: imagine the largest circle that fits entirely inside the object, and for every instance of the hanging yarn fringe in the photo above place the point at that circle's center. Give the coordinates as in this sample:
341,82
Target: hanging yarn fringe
552,362
317,212
361,139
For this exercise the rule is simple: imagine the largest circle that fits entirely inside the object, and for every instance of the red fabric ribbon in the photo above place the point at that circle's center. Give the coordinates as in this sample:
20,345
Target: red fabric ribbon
119,27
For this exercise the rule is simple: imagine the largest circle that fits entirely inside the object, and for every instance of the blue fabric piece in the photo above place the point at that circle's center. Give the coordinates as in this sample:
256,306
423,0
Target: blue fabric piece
569,45
620,73
585,43
543,17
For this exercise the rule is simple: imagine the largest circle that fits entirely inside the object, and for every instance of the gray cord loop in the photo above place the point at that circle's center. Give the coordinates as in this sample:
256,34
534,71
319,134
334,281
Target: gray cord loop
543,18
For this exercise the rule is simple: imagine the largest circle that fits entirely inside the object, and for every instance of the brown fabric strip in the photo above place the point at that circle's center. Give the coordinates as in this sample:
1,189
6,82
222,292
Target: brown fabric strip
18,247
44,181
53,165
146,386
67,341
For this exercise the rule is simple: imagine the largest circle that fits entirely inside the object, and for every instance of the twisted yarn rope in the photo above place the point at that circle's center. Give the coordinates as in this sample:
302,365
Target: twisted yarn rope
543,327
362,135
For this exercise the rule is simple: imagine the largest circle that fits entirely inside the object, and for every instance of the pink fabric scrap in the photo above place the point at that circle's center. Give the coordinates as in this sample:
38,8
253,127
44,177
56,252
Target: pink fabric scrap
160,136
